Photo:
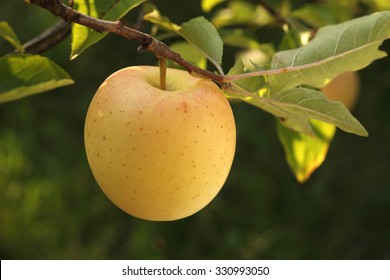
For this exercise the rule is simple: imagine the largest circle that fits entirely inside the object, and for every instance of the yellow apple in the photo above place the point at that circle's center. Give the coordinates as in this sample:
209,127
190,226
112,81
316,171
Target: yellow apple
159,154
344,88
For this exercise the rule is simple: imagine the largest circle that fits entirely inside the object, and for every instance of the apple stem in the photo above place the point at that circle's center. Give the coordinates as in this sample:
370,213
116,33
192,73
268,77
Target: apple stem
163,73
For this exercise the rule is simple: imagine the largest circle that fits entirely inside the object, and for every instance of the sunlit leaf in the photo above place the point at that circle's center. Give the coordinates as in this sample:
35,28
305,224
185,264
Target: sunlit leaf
189,53
241,13
163,22
378,5
348,46
208,5
84,37
22,76
305,153
10,36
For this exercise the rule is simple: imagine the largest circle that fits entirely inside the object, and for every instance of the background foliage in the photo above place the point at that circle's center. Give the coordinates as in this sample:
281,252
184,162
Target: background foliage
51,207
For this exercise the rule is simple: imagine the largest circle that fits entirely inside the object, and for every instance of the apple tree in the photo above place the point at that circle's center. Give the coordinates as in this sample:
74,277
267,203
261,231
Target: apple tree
290,80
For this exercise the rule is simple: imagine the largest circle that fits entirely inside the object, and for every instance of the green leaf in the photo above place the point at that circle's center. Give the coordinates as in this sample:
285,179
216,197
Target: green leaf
305,153
199,32
21,76
203,35
189,53
299,105
84,37
10,36
348,46
313,104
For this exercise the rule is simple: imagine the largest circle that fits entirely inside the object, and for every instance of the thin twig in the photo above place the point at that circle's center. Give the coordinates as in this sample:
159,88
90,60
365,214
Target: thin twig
48,38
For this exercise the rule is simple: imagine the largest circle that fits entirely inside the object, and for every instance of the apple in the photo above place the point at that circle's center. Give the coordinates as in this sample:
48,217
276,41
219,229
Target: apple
158,154
344,88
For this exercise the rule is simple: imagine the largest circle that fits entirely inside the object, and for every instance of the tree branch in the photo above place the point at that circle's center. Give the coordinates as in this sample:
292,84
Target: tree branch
148,43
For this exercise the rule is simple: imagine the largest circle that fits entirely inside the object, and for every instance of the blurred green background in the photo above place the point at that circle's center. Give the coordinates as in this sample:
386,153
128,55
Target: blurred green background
51,207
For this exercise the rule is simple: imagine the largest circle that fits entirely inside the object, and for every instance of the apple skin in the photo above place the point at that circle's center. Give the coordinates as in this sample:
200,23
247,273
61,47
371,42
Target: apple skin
344,88
157,154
